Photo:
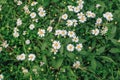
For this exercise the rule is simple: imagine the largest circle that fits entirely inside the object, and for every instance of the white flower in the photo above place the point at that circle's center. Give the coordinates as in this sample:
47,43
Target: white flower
24,32
98,21
69,23
75,22
79,47
76,64
57,32
21,57
31,57
95,32
0,7
33,15
41,32
16,29
49,29
42,13
81,17
108,16
54,50
64,16
24,70
90,14
34,3
1,77
56,45
104,30
27,41
71,33
19,22
40,8
63,32
19,2
42,63
32,26
0,49
4,44
75,39
98,5
77,9
70,8
70,47
15,34
80,2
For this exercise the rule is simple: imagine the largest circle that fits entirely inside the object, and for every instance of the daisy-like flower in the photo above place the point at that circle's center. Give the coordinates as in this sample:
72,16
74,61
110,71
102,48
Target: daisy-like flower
33,15
1,77
54,50
42,13
27,41
19,2
24,32
34,3
69,23
15,34
19,22
75,39
32,26
104,30
82,19
98,5
76,64
24,70
63,32
108,16
56,45
4,44
31,57
71,34
70,8
64,16
90,14
41,32
75,22
40,8
57,32
79,47
21,57
70,47
95,32
98,21
77,9
49,29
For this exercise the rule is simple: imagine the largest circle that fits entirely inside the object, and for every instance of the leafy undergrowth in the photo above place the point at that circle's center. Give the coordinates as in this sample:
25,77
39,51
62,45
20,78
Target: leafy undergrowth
59,40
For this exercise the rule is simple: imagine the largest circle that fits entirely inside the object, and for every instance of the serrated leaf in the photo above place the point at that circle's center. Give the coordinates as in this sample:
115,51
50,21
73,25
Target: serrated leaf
57,63
100,50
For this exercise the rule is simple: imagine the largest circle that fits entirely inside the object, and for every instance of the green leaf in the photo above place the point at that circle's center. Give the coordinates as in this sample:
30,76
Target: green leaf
100,50
71,55
108,59
44,59
3,1
57,63
93,64
114,50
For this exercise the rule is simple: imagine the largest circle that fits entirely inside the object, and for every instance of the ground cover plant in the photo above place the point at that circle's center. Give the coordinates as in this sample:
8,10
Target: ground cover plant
59,39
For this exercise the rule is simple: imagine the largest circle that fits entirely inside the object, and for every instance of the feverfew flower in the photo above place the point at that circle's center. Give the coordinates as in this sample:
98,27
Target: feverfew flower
56,45
21,57
71,34
33,15
19,2
49,29
19,22
75,39
70,7
40,8
77,9
27,41
90,14
70,47
104,30
76,64
24,70
34,3
54,50
1,77
63,32
79,47
42,13
82,18
95,32
98,5
98,21
69,23
4,44
64,16
41,32
57,32
108,16
31,57
15,34
32,26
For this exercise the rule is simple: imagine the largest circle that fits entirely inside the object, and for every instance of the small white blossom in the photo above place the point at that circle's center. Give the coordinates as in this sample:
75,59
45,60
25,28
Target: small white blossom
27,41
31,57
49,29
64,16
19,22
33,15
108,16
41,32
21,57
1,77
95,32
70,47
32,26
56,45
79,47
76,64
